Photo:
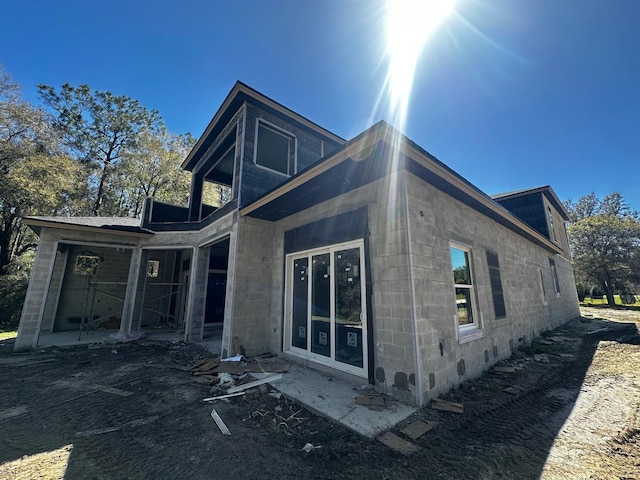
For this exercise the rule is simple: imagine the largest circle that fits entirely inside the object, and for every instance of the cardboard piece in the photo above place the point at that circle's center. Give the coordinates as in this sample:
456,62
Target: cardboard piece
418,428
396,443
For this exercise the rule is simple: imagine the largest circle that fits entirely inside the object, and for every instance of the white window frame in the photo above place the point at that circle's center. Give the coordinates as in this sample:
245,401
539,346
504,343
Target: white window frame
280,131
474,330
307,354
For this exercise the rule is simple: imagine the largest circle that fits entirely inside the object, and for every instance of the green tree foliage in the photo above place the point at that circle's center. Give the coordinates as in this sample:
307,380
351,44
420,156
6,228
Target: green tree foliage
605,243
36,178
100,128
152,169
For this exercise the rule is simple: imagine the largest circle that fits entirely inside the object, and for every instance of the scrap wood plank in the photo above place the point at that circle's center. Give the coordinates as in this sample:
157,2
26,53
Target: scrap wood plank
440,404
220,397
267,379
546,342
223,428
418,428
209,364
396,443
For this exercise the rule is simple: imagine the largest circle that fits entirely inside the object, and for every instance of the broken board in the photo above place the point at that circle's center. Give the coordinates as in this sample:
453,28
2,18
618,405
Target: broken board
445,405
418,428
396,443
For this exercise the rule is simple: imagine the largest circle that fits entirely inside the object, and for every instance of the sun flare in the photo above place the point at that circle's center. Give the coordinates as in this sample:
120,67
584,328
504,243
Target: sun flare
409,26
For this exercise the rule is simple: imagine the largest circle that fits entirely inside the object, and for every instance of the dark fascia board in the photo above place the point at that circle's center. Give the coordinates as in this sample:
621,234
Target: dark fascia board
546,190
233,101
36,224
359,149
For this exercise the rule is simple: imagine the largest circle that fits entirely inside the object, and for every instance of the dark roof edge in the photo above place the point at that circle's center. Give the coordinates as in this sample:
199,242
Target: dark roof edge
242,88
546,190
36,224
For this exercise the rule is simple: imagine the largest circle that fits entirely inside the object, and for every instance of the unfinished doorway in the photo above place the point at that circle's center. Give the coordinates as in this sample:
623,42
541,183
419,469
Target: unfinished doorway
217,284
325,318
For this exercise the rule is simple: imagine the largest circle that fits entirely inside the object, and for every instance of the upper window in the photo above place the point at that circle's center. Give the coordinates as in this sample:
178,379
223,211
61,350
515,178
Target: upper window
275,149
554,237
462,279
496,284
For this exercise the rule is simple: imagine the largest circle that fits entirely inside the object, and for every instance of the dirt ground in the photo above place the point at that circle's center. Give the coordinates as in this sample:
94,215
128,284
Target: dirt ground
131,412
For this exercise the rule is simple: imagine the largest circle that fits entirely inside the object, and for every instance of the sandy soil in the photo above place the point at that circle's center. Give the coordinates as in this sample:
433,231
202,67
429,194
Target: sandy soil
131,411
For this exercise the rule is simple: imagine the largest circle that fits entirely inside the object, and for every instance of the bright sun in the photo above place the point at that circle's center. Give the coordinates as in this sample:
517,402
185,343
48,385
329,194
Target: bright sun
409,26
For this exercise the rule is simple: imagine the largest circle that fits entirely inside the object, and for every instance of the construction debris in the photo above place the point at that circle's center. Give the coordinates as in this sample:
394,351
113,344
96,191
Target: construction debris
418,428
223,428
245,386
541,357
396,443
439,404
221,397
308,447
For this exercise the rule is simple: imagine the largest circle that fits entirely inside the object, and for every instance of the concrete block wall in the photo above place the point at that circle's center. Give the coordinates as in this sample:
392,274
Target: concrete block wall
391,320
55,288
36,292
446,359
113,268
249,287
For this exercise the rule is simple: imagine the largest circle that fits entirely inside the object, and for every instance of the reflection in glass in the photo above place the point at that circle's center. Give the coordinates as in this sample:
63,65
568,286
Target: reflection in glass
321,304
348,304
300,304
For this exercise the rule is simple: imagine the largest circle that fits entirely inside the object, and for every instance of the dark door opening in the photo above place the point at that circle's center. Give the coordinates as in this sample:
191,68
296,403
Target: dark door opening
217,284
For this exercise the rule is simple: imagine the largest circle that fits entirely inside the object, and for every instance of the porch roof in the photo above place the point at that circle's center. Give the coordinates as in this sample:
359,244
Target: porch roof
115,225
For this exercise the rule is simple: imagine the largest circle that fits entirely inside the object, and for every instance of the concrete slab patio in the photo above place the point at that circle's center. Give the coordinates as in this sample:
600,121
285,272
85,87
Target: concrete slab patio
335,398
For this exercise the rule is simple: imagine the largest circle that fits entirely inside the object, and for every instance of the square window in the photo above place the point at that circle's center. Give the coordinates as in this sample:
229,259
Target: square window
86,265
153,268
275,149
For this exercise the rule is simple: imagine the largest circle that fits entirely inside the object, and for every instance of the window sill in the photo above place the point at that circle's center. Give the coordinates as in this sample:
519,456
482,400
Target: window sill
469,334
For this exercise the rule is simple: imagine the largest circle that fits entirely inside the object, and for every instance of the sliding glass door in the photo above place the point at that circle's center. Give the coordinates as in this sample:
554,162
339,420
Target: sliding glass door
326,313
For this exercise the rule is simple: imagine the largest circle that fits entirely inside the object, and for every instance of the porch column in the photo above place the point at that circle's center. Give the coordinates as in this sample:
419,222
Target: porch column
134,297
197,295
35,300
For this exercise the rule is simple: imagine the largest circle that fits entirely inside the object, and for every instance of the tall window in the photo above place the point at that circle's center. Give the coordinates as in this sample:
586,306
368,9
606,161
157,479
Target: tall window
543,293
554,276
462,279
554,237
275,149
496,284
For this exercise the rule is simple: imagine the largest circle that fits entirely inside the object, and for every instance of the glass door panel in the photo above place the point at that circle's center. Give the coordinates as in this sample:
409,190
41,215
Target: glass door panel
300,304
321,304
348,307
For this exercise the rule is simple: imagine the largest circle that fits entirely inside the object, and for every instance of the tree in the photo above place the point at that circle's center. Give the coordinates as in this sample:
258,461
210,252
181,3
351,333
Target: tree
99,127
605,243
152,169
36,178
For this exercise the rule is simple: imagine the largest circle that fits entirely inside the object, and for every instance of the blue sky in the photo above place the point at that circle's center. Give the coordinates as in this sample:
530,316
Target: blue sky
509,93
